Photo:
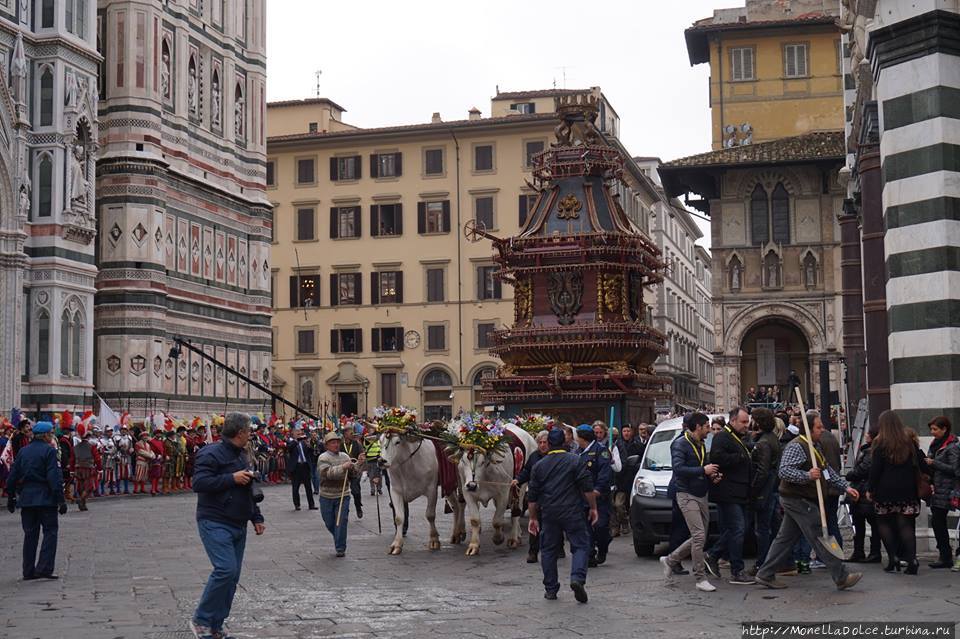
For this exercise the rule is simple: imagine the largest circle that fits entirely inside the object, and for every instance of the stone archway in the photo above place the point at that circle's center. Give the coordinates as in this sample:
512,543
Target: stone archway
730,387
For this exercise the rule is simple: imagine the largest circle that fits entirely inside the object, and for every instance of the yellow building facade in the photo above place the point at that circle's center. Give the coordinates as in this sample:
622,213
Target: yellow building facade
772,75
378,297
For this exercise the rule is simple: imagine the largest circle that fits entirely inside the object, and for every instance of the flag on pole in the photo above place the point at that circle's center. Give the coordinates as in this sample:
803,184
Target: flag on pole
107,418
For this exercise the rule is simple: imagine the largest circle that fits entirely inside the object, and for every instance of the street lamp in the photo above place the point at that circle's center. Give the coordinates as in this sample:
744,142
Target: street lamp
366,388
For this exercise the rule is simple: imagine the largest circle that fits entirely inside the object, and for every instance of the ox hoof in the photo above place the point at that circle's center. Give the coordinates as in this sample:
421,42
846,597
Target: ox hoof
472,550
513,543
395,550
498,539
434,544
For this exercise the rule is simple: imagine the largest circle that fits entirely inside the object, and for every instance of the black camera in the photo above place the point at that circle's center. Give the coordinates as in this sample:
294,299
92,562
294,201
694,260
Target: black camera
256,492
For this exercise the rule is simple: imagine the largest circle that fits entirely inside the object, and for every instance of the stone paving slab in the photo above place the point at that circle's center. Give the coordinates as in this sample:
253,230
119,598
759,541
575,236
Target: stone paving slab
133,568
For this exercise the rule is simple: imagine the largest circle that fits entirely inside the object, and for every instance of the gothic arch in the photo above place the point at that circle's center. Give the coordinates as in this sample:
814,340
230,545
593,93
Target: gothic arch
432,366
787,312
768,180
811,257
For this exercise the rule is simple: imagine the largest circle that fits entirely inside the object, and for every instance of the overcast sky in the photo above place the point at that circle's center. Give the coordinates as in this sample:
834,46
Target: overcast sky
390,62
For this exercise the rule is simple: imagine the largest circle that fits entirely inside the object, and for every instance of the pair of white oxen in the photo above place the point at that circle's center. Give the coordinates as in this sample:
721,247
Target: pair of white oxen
415,472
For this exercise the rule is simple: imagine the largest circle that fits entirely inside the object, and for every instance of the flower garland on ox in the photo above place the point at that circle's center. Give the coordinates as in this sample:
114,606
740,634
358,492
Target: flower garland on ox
535,422
475,431
398,419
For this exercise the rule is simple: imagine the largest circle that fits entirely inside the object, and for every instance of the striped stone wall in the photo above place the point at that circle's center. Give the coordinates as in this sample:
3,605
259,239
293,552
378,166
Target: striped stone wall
916,64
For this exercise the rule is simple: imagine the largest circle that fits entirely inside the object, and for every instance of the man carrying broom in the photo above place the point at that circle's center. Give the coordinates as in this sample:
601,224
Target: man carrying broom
801,479
336,469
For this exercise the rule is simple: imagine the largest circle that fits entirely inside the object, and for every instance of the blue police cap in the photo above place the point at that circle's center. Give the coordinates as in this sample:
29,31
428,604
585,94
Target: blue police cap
41,428
584,428
555,437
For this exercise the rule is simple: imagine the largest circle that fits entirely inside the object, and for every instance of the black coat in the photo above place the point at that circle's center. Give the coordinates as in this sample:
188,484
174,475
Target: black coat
293,454
766,460
892,483
732,455
624,478
946,470
219,498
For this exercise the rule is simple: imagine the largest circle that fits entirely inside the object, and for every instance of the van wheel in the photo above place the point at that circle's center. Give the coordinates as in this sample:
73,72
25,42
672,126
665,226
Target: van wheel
642,550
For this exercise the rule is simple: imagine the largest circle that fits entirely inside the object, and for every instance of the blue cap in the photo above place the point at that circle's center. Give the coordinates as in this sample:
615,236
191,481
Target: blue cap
584,428
41,428
555,437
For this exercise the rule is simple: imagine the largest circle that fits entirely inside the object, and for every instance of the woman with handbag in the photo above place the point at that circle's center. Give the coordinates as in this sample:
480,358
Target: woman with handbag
943,458
862,510
894,488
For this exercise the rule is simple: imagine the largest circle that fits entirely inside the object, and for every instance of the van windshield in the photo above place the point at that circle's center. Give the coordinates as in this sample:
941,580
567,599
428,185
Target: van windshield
657,454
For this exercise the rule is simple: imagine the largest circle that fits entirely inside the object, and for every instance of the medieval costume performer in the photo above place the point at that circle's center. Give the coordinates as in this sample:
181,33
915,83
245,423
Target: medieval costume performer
180,459
86,466
156,464
169,461
124,444
144,462
108,451
66,456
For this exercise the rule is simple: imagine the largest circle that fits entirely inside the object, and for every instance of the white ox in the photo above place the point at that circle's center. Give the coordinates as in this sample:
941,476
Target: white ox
487,477
413,467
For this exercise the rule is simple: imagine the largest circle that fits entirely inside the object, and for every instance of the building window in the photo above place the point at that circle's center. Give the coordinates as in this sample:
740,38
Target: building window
435,288
483,211
346,340
478,377
306,225
388,389
387,339
484,330
386,165
795,60
45,186
344,222
306,341
312,127
483,157
524,107
759,231
437,395
780,214
46,14
140,66
437,337
386,287
345,168
46,97
386,220
526,207
305,390
433,162
304,291
76,14
433,217
306,171
770,212
741,64
345,289
43,343
530,150
121,46
488,286
271,173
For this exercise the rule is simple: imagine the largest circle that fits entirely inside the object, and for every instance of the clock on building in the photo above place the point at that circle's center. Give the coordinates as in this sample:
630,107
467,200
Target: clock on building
411,339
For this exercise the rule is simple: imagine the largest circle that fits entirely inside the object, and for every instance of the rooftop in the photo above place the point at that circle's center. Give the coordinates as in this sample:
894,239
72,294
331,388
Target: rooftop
539,93
697,36
305,102
809,147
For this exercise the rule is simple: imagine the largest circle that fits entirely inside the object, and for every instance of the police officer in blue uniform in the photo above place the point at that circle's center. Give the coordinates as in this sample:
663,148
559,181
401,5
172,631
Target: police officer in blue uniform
596,459
559,485
36,484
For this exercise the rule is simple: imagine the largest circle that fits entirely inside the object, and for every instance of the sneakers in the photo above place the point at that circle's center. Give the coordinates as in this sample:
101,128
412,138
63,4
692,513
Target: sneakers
770,583
803,567
201,632
741,579
705,586
667,568
850,581
816,564
550,596
679,570
579,592
713,565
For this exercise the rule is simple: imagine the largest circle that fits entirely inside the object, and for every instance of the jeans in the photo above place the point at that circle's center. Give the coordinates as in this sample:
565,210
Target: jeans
33,519
801,520
832,504
328,510
551,540
224,545
801,550
315,477
732,519
766,513
938,521
696,514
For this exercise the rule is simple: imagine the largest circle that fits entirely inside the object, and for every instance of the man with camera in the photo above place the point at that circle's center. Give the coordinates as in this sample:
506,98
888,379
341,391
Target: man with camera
227,499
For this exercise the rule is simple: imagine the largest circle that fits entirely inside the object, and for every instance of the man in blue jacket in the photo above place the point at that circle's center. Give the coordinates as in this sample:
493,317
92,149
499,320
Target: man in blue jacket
692,477
36,477
596,458
225,503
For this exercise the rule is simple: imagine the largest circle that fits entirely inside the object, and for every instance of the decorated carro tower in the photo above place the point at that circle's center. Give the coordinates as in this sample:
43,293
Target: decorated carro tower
579,345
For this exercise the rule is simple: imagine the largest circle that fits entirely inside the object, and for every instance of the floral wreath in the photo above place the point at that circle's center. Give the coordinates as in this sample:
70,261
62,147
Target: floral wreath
398,419
535,422
475,431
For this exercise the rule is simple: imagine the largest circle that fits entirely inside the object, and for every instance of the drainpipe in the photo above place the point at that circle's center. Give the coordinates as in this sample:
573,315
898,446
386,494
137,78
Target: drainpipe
456,144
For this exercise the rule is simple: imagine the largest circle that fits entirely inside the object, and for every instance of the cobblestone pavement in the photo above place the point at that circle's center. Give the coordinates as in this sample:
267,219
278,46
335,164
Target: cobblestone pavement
134,567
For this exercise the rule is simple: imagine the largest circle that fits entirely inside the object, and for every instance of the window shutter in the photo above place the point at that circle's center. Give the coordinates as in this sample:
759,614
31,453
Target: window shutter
421,217
359,335
399,210
358,287
375,340
480,287
398,163
334,290
446,216
737,64
374,214
356,222
334,340
523,210
399,287
497,293
399,338
333,169
374,167
334,223
357,162
747,65
294,292
374,287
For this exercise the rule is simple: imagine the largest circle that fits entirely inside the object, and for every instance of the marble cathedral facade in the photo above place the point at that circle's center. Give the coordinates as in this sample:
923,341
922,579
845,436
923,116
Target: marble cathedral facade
185,227
48,153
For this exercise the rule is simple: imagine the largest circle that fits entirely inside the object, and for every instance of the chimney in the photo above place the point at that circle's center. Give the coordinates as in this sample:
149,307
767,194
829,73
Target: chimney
435,117
474,113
